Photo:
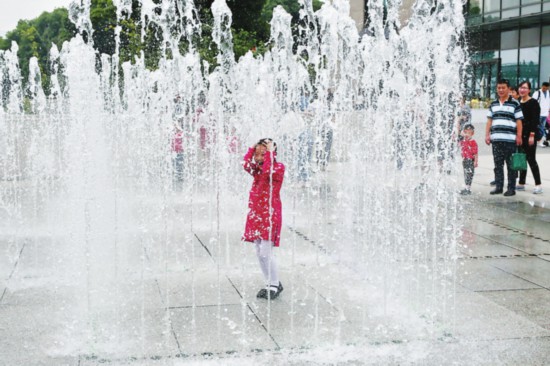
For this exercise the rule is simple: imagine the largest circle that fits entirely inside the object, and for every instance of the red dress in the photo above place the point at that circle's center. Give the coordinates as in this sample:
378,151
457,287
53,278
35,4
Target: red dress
261,222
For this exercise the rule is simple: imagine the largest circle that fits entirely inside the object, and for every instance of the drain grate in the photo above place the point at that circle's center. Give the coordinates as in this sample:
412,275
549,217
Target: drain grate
506,256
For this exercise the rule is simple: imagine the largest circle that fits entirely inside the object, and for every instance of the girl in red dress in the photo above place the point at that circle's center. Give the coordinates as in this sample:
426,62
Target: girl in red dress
264,220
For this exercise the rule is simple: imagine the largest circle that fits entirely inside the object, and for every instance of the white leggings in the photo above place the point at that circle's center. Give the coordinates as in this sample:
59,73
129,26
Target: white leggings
264,251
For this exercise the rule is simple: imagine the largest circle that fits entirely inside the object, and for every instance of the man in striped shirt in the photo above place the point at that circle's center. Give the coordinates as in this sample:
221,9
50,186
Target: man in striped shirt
503,130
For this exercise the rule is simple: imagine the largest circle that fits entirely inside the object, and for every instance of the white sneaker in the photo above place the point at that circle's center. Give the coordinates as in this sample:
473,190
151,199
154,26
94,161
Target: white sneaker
537,190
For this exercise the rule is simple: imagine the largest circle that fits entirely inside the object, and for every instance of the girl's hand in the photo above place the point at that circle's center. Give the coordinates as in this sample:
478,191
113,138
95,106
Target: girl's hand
531,140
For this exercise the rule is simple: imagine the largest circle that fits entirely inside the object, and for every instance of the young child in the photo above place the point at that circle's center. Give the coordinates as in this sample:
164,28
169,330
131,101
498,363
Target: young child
264,220
468,147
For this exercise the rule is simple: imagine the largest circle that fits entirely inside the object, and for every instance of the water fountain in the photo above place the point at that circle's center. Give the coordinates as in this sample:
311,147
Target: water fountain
133,265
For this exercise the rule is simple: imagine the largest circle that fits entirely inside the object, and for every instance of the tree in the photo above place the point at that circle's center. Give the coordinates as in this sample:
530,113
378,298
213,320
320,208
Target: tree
104,22
247,16
291,6
35,38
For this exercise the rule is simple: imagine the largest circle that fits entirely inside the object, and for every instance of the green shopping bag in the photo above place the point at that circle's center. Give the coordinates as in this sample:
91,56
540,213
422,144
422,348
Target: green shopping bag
519,161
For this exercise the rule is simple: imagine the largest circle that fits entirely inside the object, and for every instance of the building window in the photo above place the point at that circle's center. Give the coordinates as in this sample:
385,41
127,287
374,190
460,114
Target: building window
545,63
530,37
509,40
509,65
545,39
474,12
491,5
529,65
532,9
510,8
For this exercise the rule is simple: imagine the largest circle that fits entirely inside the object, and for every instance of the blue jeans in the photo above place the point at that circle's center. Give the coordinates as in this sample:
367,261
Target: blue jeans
177,165
543,126
469,169
502,152
323,151
305,149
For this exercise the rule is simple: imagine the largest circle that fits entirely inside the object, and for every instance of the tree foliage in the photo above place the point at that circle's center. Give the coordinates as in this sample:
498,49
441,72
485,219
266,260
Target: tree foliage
250,30
35,38
104,22
291,6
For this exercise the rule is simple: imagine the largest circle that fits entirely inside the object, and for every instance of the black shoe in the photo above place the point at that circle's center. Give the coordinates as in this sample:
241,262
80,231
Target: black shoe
509,193
496,191
465,192
274,292
493,183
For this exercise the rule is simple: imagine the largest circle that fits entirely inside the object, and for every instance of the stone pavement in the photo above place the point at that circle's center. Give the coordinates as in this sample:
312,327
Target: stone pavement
189,301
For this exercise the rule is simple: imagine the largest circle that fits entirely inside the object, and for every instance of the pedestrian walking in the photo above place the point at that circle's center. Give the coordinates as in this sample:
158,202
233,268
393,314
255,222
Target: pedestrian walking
469,149
264,220
504,132
543,97
530,134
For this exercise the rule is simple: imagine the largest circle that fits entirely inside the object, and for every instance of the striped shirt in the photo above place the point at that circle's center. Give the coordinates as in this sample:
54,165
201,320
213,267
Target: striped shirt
504,116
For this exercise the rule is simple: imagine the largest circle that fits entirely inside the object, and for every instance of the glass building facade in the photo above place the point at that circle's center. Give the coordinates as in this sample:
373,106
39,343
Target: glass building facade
508,39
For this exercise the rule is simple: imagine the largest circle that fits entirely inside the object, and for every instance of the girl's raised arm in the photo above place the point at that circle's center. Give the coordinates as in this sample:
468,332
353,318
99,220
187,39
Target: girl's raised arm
248,164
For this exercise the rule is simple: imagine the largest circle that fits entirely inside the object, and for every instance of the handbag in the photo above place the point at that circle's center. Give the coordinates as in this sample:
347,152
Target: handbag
519,161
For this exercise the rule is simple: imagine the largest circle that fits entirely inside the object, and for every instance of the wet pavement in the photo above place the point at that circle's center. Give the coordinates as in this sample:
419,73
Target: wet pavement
190,302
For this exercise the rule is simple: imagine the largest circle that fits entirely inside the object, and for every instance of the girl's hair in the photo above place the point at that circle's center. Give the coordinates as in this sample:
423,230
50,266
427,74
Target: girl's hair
266,141
525,82
514,88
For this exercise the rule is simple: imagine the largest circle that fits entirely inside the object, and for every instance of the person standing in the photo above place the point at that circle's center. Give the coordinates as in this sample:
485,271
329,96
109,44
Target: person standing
177,159
514,93
530,133
264,219
468,148
504,132
543,97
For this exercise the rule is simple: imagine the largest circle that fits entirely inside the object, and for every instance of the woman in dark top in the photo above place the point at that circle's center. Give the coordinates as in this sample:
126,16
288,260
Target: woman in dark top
531,112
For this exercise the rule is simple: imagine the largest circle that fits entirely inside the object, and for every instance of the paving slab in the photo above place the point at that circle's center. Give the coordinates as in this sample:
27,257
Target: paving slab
532,304
520,242
219,329
35,334
520,207
479,318
199,288
481,275
534,269
129,334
